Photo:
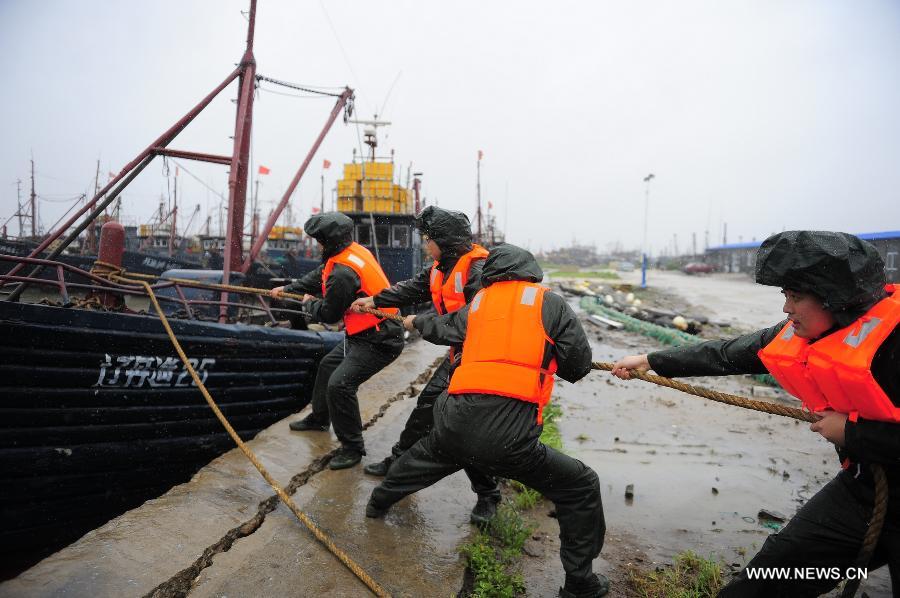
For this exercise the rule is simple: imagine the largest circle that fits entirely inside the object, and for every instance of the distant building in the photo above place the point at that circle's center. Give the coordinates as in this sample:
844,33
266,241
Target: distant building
741,257
579,255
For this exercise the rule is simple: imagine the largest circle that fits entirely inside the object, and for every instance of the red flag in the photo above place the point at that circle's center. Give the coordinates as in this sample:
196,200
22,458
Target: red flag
480,154
263,170
326,164
490,206
315,210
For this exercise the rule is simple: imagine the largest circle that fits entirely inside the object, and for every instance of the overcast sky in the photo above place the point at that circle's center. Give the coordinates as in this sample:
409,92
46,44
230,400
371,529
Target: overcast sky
763,114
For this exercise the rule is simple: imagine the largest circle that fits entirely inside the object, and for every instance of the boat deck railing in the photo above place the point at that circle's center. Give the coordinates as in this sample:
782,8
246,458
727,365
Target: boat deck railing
92,282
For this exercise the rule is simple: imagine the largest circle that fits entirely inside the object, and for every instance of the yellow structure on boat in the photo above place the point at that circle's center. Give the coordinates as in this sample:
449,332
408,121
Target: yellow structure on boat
286,232
369,186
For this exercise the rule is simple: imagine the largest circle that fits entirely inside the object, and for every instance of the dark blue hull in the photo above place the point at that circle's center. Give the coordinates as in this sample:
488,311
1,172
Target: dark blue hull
97,413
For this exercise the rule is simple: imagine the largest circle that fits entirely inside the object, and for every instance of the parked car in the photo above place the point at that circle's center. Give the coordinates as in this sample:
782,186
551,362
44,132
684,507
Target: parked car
625,267
698,268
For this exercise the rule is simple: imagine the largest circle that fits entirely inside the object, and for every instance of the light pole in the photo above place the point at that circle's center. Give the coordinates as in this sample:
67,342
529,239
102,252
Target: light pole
647,180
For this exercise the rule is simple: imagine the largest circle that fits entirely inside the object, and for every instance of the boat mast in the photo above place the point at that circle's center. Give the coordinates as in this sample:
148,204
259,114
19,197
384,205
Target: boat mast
478,189
240,164
19,212
33,204
173,224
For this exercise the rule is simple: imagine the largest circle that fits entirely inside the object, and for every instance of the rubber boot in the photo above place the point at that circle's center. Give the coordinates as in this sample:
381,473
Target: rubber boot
592,586
345,458
484,511
310,424
380,468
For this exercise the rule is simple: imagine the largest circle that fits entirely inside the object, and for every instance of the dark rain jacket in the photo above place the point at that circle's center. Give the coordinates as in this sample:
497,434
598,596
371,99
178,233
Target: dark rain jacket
334,231
418,289
508,262
865,441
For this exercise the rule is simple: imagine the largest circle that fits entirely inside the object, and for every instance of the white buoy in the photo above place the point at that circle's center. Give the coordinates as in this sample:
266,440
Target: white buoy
680,323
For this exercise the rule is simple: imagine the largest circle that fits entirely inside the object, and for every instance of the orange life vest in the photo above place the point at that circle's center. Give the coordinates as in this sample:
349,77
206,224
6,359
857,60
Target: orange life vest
834,372
372,281
506,347
449,297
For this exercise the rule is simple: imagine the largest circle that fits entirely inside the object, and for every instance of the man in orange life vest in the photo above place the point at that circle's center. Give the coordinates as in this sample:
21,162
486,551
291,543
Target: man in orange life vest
348,271
516,336
839,353
449,283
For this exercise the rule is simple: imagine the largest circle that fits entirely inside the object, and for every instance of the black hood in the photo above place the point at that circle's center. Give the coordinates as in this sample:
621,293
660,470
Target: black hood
333,230
508,262
843,270
450,230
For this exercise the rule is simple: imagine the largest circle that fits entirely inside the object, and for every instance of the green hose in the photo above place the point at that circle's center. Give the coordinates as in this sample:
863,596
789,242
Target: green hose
667,336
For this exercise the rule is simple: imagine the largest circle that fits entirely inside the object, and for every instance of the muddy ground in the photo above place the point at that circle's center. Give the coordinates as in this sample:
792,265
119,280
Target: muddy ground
701,472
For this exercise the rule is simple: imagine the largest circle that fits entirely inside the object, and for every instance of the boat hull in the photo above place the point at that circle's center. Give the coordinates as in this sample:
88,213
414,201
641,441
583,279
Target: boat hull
97,413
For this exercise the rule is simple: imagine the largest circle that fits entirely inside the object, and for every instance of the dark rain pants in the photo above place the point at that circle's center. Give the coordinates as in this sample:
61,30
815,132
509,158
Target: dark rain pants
826,532
500,436
340,374
421,420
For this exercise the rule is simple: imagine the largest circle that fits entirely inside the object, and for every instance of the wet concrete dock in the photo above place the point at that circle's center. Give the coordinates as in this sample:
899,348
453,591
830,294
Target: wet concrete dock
162,544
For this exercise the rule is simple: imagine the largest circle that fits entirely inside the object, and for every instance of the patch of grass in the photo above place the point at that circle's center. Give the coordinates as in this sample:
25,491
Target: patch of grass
550,435
494,553
492,580
525,497
689,576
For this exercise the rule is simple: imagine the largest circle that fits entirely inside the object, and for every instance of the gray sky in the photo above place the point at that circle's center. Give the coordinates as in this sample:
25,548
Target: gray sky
762,114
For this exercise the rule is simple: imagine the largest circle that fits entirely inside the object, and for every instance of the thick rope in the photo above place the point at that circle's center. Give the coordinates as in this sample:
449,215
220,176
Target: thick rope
713,395
310,525
382,314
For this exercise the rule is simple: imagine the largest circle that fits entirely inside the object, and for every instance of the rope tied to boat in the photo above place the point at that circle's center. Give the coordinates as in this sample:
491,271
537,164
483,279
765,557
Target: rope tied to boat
321,536
107,270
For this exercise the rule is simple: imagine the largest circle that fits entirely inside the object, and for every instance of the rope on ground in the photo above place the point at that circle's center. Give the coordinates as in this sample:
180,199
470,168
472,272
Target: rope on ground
713,395
310,525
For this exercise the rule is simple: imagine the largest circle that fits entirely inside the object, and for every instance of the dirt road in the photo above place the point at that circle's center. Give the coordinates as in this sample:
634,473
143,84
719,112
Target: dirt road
701,470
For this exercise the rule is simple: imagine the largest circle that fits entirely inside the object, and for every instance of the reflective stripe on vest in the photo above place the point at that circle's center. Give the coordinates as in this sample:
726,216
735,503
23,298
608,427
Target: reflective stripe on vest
372,281
506,346
834,372
450,297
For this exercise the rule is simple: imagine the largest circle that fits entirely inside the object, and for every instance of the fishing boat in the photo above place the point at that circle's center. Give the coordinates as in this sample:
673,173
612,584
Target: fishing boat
382,209
97,412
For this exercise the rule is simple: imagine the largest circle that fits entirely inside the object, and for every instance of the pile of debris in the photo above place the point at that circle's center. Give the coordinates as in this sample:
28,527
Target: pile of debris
622,298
